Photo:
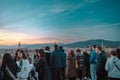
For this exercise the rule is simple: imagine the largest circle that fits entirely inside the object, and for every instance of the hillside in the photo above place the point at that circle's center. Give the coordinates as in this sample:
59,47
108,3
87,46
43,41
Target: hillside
106,43
98,42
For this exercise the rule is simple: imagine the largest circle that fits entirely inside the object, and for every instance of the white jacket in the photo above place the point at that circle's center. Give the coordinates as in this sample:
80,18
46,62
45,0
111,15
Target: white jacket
25,70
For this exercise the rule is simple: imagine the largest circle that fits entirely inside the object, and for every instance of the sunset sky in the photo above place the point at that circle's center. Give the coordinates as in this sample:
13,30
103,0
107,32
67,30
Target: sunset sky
49,21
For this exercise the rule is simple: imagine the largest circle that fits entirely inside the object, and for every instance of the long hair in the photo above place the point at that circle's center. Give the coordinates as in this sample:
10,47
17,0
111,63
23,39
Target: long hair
10,63
24,55
41,52
118,53
36,51
16,55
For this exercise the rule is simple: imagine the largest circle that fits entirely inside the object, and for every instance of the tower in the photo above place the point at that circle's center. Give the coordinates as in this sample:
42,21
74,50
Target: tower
19,45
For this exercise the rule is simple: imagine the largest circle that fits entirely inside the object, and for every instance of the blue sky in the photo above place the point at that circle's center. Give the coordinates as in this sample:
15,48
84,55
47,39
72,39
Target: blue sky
59,20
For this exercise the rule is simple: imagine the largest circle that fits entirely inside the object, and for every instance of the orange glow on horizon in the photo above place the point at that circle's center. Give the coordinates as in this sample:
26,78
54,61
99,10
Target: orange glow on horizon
11,38
15,42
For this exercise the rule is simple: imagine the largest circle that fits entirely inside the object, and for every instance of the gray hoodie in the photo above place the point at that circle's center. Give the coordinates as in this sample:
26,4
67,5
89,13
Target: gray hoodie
113,71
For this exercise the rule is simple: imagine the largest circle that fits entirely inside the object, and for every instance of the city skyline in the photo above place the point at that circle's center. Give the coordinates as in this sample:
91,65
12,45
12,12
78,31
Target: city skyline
63,21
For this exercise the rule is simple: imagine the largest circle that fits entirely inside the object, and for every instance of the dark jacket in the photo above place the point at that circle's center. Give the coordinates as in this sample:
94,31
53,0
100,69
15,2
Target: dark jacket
47,56
101,61
63,58
41,66
55,59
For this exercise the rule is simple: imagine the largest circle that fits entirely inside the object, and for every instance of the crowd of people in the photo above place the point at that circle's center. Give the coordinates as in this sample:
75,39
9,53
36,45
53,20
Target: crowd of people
61,65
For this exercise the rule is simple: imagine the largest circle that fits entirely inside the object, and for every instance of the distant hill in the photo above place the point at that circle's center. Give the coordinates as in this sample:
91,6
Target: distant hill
106,43
98,42
32,46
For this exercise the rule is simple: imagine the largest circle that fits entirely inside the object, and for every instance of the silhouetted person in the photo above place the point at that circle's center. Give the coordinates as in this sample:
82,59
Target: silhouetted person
100,65
80,62
9,63
47,57
55,63
86,65
41,65
71,67
63,60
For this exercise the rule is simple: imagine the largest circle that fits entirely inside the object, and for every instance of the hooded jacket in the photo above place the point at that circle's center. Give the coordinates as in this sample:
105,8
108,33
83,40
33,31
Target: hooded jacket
113,71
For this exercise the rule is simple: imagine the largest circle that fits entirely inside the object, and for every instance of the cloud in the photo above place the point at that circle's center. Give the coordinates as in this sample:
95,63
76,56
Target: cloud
58,8
91,1
1,40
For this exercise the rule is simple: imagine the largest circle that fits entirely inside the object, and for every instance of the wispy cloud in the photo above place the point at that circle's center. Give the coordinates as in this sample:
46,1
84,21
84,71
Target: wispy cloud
91,1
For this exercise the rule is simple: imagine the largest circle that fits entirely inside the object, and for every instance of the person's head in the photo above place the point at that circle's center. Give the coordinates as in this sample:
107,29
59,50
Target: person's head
98,49
10,63
47,48
35,52
23,54
72,53
18,55
113,53
40,53
55,46
78,50
118,53
17,52
61,49
7,59
93,47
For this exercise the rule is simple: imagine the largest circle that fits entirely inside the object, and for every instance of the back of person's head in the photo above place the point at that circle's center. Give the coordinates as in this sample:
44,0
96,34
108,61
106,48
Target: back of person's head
118,53
47,48
10,63
41,52
78,50
113,53
72,53
55,46
7,59
61,49
93,47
